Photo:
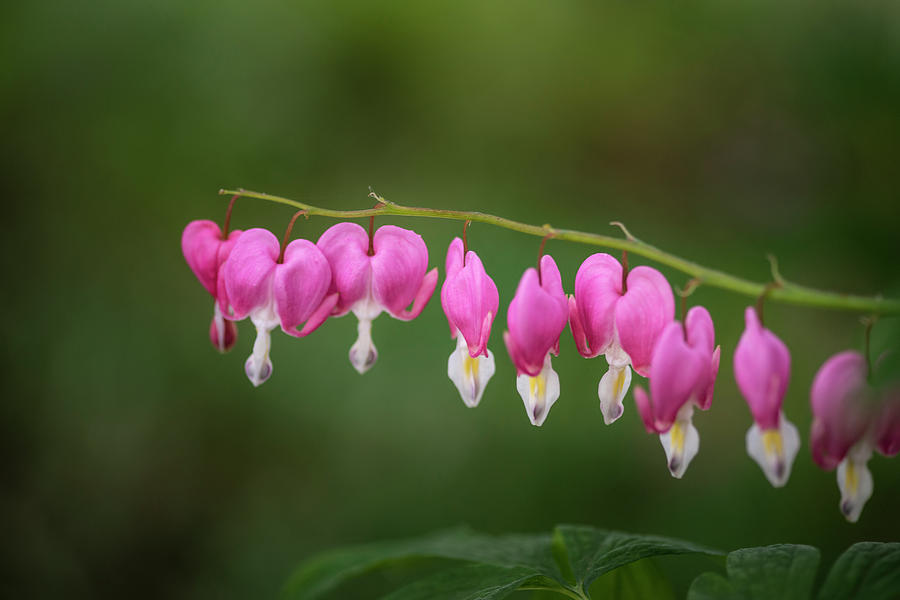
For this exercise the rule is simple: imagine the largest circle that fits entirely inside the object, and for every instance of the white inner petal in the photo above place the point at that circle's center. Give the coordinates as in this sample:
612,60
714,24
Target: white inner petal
363,353
774,450
539,393
259,367
855,480
366,308
615,356
219,320
469,375
612,389
681,443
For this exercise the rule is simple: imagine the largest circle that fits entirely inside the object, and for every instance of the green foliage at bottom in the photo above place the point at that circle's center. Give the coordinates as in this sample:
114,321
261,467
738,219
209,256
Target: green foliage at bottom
580,562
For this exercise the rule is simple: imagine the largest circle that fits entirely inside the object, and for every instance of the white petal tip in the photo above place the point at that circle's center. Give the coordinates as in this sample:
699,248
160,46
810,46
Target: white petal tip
612,413
363,353
851,511
364,364
258,366
611,390
677,466
258,373
681,444
774,450
469,375
855,482
539,393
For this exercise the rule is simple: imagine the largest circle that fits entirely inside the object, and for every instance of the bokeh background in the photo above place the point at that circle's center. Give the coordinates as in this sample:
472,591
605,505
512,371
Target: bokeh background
138,462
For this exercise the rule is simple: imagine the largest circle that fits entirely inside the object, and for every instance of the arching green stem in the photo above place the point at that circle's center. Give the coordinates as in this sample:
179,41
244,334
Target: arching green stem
788,292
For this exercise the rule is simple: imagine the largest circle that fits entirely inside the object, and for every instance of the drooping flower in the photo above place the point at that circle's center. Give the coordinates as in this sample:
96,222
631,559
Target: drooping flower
206,248
387,274
682,376
470,301
887,432
762,369
272,289
621,319
850,420
535,319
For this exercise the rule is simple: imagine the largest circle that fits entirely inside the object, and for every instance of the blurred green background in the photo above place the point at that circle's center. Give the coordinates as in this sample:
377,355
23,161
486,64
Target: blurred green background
138,462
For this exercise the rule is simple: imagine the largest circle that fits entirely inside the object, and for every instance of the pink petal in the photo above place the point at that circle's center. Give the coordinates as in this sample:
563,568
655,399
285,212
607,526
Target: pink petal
700,330
205,250
300,284
454,261
398,271
577,328
224,253
701,335
222,294
470,300
641,314
346,247
423,295
678,372
248,271
705,397
642,401
762,369
200,245
481,348
320,315
841,407
551,282
598,287
452,265
536,317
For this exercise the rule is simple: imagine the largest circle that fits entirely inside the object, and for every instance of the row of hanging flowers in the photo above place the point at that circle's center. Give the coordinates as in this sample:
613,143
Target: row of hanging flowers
628,315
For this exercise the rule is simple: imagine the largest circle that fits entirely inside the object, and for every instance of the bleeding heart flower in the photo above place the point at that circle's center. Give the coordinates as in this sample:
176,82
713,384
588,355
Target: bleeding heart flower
388,274
682,376
274,289
850,419
470,301
762,369
206,249
621,319
535,319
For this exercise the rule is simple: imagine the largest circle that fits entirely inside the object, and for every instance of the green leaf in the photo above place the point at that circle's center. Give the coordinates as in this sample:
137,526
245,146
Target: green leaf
637,581
472,582
866,571
712,586
324,572
576,556
783,571
561,556
593,552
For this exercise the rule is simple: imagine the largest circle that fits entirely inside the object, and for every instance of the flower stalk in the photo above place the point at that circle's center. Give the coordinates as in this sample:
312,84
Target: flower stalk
786,292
